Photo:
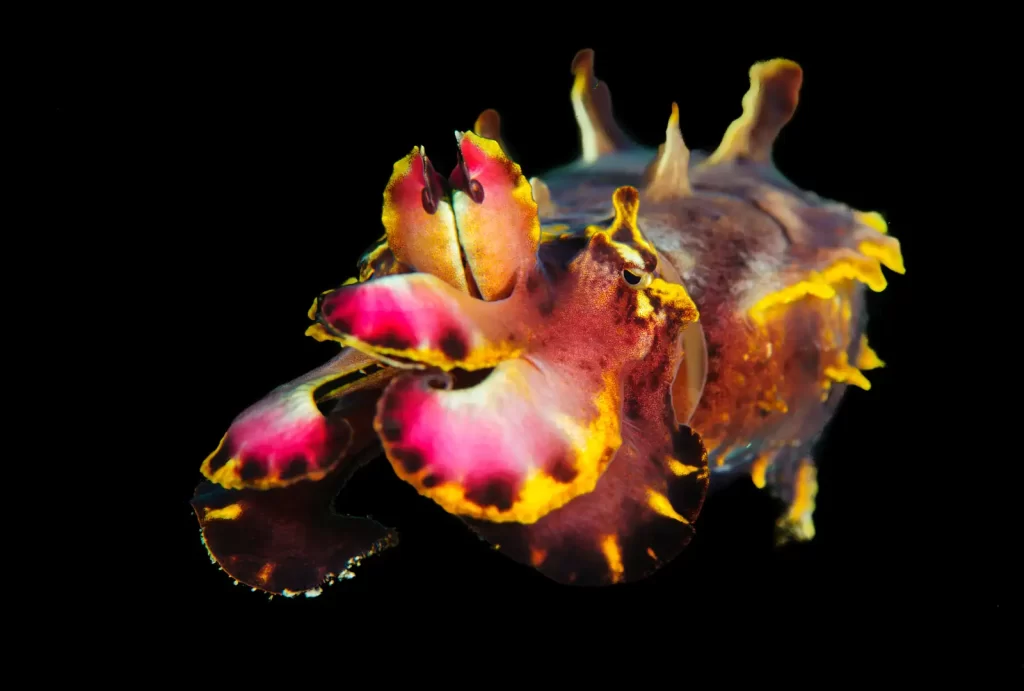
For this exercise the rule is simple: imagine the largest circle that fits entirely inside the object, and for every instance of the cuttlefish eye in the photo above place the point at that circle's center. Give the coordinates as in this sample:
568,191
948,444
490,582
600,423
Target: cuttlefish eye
635,278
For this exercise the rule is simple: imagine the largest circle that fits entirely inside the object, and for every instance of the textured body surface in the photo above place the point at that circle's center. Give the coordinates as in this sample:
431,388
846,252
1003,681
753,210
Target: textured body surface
766,377
566,363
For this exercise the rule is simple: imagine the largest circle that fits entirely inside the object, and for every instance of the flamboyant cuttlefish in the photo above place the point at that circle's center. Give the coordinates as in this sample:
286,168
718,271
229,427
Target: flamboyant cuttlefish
565,364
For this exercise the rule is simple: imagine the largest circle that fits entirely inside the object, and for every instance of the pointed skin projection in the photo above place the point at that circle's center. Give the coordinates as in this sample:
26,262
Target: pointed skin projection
669,173
488,126
567,364
767,107
592,103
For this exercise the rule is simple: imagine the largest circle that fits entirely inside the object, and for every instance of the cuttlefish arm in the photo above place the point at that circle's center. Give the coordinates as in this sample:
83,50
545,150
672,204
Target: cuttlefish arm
541,426
476,231
512,382
537,430
288,541
266,511
284,438
580,360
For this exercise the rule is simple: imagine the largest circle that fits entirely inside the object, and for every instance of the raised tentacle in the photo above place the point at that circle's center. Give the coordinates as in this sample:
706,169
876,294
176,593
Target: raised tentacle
767,107
592,104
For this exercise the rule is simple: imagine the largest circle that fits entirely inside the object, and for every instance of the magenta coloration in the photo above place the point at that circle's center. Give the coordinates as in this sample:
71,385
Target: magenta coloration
566,363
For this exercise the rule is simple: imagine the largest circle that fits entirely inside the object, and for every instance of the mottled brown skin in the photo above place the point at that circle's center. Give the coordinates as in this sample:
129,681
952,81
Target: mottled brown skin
726,249
772,401
566,544
746,393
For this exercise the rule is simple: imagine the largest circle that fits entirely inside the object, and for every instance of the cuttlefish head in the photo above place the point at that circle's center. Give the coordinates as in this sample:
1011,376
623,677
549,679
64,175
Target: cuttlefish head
523,382
529,366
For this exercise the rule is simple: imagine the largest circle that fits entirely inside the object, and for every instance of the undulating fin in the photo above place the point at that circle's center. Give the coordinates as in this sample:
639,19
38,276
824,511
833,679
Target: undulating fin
542,197
820,281
820,231
284,438
419,221
767,107
495,214
774,384
886,249
592,104
847,366
872,219
668,174
830,251
826,309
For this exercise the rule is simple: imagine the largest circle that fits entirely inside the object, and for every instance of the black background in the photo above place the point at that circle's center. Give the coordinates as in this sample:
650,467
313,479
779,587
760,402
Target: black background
258,157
